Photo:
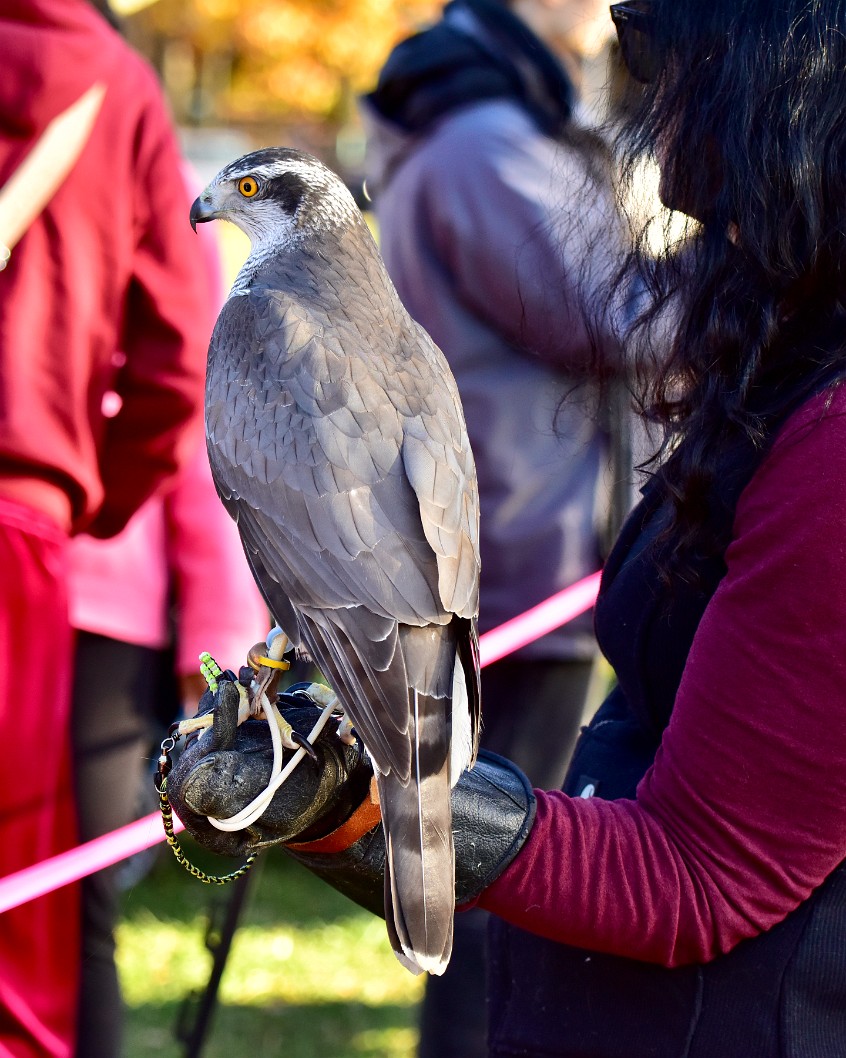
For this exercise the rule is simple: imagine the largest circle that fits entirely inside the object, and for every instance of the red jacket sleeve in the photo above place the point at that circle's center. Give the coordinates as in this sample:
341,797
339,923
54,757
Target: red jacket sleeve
743,813
169,316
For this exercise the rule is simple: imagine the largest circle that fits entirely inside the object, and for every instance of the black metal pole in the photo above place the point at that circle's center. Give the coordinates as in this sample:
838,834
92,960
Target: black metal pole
196,1013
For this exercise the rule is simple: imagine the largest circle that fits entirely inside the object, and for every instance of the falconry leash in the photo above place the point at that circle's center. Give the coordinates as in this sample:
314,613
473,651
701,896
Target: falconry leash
281,736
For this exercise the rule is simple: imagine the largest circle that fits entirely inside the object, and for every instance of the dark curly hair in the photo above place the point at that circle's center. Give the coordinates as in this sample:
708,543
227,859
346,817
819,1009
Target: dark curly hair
747,119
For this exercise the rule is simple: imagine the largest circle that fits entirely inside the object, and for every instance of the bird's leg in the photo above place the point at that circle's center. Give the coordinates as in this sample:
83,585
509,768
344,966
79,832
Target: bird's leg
266,661
257,681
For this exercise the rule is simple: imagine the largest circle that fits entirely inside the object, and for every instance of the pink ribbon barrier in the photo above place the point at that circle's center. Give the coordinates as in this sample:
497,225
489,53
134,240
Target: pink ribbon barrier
70,866
543,618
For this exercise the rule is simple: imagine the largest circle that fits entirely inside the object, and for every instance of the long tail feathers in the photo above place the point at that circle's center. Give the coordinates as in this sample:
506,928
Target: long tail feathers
420,861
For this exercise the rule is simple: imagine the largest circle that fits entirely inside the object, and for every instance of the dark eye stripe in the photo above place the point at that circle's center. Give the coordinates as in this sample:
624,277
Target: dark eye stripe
288,190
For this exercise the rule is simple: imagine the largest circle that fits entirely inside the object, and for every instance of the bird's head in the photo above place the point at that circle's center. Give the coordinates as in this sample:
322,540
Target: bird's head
276,196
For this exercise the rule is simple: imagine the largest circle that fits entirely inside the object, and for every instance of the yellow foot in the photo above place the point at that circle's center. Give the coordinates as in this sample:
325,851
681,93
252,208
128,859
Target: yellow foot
321,694
244,707
285,730
345,731
196,723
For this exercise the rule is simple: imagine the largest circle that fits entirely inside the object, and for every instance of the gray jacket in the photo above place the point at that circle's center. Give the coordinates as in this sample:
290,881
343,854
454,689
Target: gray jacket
488,227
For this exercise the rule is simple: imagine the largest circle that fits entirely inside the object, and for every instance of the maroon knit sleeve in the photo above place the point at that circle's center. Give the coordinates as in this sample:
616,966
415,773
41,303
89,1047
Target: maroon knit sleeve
743,813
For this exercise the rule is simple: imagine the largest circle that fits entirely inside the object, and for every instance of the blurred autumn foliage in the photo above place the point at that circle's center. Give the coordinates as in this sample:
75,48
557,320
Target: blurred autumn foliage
247,63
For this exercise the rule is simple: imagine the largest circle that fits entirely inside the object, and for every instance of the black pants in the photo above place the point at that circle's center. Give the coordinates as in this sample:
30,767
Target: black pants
531,712
117,694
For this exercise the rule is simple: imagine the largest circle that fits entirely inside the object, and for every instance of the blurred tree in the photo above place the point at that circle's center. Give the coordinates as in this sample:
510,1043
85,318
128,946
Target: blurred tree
225,61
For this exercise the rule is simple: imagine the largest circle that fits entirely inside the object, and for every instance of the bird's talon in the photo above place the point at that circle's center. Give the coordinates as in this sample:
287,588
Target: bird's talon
345,732
304,743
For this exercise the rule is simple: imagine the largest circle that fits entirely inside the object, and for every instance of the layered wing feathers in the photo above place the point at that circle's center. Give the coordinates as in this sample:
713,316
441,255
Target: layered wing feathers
337,441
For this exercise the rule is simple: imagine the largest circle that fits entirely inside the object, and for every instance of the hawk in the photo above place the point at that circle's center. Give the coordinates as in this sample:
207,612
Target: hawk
338,444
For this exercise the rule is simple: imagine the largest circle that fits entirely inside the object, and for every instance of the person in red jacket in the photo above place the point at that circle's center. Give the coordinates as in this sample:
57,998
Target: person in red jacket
139,605
108,263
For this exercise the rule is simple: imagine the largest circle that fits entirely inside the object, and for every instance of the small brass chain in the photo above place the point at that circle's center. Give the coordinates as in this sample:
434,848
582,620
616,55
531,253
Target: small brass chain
167,821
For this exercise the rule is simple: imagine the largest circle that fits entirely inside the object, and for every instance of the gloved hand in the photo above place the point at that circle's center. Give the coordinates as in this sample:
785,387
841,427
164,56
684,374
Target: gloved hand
224,768
325,814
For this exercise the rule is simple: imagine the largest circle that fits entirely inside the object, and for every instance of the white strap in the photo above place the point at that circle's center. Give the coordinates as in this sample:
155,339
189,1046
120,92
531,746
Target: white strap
40,174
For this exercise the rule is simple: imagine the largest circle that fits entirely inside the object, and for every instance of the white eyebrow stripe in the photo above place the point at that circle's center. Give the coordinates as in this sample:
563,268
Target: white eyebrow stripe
314,173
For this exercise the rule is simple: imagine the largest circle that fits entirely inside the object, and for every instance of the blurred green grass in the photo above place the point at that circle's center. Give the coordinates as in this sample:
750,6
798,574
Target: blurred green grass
309,975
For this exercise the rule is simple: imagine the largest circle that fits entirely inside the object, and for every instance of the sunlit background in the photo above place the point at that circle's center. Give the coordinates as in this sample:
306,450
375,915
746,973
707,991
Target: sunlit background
246,75
240,76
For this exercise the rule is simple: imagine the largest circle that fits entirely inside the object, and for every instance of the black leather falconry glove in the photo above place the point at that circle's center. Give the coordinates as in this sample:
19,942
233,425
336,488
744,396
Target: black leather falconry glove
326,814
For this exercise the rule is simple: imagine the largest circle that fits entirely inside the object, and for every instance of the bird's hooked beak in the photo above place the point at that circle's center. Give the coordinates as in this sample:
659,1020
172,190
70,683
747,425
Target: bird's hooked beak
202,210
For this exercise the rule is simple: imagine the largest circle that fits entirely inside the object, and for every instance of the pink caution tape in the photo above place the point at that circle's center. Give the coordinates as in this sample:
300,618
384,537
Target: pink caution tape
543,618
70,866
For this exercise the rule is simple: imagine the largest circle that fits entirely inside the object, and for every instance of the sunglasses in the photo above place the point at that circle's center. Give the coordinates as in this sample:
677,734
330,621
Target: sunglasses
635,25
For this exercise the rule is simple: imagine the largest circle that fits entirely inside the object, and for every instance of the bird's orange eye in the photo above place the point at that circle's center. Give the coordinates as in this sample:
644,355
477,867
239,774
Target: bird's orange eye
248,186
